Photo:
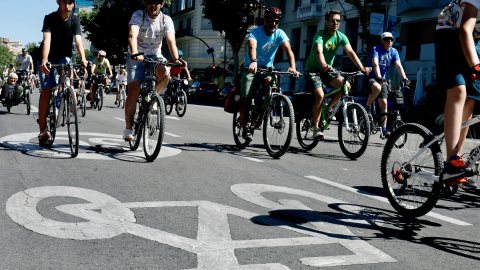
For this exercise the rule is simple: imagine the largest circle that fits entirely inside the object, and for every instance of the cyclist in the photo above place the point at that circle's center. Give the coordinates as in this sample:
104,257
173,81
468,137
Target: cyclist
262,44
148,27
380,60
121,79
24,60
319,69
457,63
175,71
11,69
100,65
59,29
9,86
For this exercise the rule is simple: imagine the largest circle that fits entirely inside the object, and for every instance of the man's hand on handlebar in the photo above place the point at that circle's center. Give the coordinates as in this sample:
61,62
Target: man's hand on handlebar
294,71
252,67
137,57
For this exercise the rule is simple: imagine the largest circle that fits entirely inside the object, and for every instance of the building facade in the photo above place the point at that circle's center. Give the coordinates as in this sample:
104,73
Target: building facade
14,46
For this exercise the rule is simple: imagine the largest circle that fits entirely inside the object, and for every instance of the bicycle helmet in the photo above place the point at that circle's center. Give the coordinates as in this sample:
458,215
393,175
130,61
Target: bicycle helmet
272,11
122,66
180,53
24,49
11,64
102,53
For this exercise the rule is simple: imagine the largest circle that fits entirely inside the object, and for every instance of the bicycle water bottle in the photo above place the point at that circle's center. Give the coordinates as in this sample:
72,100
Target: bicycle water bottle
59,99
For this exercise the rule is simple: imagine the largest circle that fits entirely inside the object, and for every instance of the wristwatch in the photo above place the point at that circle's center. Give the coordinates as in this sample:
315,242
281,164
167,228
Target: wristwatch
254,60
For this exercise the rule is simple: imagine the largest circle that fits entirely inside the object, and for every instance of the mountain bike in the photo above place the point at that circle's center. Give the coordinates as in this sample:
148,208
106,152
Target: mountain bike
175,96
149,118
411,170
353,127
62,109
275,111
98,98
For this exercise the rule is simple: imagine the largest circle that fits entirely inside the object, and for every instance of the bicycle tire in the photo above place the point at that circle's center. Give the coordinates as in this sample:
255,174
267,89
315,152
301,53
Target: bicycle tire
137,128
100,98
154,128
50,123
181,107
84,104
121,99
27,102
354,141
396,125
238,130
168,102
410,194
72,120
278,126
304,130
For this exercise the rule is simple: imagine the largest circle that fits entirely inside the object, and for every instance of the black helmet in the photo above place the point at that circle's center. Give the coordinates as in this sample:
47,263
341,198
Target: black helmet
272,11
11,64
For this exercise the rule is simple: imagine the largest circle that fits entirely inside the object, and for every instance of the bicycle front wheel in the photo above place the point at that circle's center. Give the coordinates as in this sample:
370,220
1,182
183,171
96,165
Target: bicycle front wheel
411,188
27,101
83,104
72,120
278,126
154,128
100,98
136,127
181,107
121,100
304,128
354,131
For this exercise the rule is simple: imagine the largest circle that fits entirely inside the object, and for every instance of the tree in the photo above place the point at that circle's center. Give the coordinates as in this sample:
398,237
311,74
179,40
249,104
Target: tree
233,18
35,52
107,28
6,57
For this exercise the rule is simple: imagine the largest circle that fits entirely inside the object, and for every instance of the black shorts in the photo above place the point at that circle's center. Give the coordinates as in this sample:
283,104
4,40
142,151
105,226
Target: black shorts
370,81
318,79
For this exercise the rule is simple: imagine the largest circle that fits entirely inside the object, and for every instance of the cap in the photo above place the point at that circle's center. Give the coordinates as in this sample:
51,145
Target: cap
102,53
386,35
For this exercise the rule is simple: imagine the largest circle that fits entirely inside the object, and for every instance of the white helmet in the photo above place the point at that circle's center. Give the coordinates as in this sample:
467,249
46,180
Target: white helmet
102,53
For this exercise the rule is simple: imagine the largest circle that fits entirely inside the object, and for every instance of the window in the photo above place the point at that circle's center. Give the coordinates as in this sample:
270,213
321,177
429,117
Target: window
295,41
311,31
281,5
206,25
297,4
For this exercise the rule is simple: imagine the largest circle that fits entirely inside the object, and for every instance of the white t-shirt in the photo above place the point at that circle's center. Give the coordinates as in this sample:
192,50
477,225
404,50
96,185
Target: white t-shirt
24,61
151,32
121,78
451,16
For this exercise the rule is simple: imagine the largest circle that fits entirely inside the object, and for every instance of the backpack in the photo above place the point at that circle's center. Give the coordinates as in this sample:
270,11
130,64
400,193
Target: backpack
232,102
397,98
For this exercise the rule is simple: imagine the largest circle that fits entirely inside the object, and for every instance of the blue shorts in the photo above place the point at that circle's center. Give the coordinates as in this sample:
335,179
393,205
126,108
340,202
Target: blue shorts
136,70
51,80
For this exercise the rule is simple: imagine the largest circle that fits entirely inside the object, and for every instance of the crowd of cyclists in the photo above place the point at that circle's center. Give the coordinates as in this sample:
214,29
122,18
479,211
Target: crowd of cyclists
456,59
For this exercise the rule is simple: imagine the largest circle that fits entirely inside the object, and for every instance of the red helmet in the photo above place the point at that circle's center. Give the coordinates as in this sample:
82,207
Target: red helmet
272,11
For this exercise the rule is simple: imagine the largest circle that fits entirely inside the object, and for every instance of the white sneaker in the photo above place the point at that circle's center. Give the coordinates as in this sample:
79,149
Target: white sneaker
128,135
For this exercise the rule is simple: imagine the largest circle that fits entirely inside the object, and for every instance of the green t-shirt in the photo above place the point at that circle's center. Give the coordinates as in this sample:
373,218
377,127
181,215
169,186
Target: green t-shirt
330,47
101,67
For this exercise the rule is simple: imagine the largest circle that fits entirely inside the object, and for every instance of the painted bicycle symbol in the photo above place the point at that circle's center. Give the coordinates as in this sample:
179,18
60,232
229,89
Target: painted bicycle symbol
106,217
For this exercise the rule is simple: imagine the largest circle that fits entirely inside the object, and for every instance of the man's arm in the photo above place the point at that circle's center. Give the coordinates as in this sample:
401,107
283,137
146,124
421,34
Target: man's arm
376,67
252,54
172,45
132,41
400,70
291,57
188,72
47,38
81,51
353,56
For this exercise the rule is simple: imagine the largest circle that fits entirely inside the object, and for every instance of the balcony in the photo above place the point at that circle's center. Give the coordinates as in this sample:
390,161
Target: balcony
309,12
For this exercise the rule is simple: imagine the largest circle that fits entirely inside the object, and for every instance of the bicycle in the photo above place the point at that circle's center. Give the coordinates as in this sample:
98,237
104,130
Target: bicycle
275,111
353,127
149,118
121,96
98,98
15,98
62,109
82,95
411,172
175,96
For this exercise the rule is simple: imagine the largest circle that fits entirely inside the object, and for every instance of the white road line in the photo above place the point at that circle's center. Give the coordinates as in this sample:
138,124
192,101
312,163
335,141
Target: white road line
167,133
121,119
382,199
233,153
172,117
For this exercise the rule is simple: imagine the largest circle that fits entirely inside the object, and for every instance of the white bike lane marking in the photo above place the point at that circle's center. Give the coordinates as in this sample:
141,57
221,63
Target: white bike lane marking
99,146
107,217
384,200
166,133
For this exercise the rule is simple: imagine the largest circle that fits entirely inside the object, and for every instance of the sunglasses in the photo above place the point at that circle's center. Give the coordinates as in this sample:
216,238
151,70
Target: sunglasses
156,2
270,20
334,21
388,39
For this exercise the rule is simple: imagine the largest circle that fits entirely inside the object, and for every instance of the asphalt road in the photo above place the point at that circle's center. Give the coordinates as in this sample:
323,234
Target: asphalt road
203,204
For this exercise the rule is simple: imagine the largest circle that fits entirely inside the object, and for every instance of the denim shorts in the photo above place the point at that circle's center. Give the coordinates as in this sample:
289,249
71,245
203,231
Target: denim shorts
136,70
318,79
51,79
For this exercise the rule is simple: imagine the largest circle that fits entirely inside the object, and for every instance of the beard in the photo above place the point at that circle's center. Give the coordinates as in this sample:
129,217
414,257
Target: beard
271,28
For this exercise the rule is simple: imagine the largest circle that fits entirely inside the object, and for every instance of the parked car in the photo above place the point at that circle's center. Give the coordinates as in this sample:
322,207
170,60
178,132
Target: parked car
203,90
225,91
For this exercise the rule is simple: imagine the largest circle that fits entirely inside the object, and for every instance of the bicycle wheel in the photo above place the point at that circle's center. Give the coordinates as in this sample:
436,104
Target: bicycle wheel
100,98
304,128
402,140
50,124
181,107
278,126
238,130
354,139
168,102
27,101
121,101
411,188
83,104
154,128
72,120
136,127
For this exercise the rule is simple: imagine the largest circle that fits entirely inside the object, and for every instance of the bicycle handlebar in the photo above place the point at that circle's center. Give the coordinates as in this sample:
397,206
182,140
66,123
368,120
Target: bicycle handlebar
275,72
163,63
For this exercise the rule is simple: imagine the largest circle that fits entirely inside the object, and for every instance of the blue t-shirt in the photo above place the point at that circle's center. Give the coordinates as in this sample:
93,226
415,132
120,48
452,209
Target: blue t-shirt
385,59
266,45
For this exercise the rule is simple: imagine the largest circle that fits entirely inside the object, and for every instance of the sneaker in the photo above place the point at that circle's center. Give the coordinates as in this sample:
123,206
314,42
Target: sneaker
387,134
128,135
456,168
43,136
4,101
116,102
247,135
469,185
317,133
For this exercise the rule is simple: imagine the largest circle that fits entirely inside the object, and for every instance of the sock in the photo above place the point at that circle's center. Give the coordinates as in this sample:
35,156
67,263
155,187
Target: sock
384,128
454,157
367,108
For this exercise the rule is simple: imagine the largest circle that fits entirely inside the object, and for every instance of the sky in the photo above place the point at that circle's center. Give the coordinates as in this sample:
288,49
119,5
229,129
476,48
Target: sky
23,20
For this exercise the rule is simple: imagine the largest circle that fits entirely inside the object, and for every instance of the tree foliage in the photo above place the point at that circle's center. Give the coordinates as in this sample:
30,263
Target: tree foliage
6,57
107,28
233,18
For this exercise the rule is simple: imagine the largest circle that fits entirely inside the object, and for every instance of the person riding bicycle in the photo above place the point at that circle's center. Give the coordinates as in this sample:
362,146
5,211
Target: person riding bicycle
458,70
24,62
11,69
11,86
175,71
121,79
148,27
319,69
262,44
380,60
59,29
100,65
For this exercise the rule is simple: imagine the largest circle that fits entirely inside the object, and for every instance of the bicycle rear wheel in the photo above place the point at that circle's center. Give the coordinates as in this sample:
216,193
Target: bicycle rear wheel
168,102
410,188
50,124
154,128
278,126
83,103
238,130
136,127
27,101
100,98
354,139
304,128
72,120
181,107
